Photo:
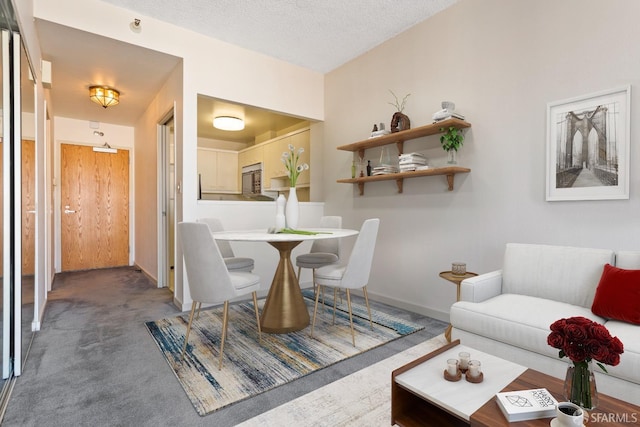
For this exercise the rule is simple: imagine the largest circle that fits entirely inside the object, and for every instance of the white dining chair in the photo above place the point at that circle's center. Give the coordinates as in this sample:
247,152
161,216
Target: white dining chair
210,281
233,262
351,275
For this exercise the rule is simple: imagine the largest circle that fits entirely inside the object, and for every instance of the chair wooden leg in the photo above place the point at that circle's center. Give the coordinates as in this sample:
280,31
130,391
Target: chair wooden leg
315,311
335,290
225,320
353,335
255,306
186,338
299,268
199,307
366,299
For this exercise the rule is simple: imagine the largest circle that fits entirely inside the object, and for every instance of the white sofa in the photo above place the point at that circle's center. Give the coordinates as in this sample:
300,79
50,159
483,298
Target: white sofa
508,312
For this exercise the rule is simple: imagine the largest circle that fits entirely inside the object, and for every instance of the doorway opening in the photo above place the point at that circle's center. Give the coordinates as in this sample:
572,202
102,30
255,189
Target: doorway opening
166,201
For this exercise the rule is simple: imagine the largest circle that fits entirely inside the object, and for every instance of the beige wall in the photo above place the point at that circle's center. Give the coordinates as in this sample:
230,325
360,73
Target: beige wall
501,62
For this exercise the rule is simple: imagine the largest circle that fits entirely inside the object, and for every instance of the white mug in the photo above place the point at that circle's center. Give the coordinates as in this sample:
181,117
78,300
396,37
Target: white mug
569,414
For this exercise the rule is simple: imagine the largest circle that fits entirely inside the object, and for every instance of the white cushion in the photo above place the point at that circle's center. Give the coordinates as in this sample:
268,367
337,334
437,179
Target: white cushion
519,320
629,260
241,280
629,334
333,272
558,273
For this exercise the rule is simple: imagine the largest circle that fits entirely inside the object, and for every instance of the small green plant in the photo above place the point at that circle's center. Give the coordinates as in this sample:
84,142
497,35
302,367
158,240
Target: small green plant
451,139
399,105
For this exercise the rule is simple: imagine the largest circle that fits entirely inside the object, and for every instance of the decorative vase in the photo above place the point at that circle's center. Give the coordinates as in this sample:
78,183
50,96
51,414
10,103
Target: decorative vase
280,218
292,211
580,385
452,157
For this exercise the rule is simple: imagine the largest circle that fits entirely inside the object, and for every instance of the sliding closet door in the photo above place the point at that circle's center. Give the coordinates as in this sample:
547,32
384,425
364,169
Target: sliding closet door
6,249
11,205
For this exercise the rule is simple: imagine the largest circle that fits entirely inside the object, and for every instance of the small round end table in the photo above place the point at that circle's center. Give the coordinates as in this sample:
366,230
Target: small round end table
457,280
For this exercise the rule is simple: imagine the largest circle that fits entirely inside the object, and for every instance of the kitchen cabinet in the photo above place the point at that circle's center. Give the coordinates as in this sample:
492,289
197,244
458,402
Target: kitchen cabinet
250,156
275,173
398,138
218,170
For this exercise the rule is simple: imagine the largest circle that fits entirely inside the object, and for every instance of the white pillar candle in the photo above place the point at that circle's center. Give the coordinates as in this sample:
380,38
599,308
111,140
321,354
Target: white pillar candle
474,368
464,360
452,367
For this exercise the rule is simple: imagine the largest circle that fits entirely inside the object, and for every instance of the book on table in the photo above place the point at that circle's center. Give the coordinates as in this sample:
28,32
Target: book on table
529,404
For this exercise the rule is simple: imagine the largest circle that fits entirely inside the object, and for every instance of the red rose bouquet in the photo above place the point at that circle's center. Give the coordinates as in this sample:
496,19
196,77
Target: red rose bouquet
583,340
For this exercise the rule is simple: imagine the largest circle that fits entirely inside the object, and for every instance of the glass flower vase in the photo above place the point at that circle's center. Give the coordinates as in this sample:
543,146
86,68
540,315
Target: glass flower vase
452,157
580,385
292,210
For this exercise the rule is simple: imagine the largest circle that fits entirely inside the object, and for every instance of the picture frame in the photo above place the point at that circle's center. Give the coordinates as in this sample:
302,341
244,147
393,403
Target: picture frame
588,146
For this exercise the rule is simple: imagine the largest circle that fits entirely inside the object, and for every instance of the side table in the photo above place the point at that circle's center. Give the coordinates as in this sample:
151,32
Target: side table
456,279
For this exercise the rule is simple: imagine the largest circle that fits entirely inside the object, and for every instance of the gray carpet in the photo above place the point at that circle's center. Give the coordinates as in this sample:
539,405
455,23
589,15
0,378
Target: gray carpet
94,363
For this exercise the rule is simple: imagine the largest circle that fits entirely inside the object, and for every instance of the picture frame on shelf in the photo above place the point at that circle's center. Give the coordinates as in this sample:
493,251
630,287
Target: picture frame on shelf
588,146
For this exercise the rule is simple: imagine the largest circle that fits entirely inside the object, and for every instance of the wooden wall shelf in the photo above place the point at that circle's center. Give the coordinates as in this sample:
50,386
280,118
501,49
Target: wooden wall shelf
448,171
399,138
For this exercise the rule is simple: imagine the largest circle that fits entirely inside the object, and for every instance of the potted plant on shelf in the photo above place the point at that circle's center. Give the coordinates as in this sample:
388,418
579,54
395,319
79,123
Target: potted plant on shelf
451,141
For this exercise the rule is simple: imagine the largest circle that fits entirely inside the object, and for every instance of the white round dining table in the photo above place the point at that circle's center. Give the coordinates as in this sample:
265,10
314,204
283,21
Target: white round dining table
284,309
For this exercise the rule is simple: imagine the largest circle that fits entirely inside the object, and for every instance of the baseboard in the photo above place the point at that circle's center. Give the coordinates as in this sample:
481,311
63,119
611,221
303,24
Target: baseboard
425,311
146,273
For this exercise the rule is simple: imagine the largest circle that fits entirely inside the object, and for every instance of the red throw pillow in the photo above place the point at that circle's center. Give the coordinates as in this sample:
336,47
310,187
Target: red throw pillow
618,295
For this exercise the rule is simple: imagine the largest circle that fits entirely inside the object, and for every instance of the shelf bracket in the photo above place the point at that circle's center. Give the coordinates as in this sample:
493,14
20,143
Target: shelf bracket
399,182
361,188
450,180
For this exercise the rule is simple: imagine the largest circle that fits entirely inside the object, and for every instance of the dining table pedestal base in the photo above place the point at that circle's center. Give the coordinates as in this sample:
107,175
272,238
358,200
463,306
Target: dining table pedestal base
284,310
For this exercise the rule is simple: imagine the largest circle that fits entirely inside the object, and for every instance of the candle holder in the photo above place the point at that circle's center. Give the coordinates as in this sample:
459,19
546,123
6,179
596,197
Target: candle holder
474,373
464,358
452,372
459,268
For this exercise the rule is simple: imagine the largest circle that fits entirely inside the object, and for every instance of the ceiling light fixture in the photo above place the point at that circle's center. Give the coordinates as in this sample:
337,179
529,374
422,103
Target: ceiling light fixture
104,96
228,123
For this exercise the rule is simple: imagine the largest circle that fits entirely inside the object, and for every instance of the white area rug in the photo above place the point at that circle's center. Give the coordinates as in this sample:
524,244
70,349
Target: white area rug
360,399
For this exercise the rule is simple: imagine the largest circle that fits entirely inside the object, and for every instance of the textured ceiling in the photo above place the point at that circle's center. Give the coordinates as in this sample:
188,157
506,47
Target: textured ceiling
317,34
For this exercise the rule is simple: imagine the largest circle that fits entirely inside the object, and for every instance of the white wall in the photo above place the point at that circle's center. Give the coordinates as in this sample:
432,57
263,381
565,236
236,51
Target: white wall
244,77
501,62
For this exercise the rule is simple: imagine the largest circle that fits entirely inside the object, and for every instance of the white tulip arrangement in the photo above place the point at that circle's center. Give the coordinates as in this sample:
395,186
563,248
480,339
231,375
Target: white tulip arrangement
290,159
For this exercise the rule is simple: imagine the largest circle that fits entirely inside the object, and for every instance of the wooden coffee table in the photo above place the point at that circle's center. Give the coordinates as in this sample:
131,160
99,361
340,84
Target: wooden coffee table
609,412
420,396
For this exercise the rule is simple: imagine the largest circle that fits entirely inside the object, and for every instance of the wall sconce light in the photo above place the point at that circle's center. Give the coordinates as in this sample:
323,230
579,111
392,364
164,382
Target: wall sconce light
104,96
228,123
106,148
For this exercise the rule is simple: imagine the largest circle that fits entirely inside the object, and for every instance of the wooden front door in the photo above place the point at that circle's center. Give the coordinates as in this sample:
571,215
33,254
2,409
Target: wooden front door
28,207
94,208
28,182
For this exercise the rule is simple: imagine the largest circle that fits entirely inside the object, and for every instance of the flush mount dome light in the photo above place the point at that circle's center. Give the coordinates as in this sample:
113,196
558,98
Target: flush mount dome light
104,96
228,123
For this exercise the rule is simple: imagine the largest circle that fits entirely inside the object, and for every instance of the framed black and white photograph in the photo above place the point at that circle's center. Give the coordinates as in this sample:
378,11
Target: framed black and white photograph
588,146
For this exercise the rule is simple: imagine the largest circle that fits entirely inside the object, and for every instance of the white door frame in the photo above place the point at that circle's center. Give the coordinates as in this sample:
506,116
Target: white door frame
164,154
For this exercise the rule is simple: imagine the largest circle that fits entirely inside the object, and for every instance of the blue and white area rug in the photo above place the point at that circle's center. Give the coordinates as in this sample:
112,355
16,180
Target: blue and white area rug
250,368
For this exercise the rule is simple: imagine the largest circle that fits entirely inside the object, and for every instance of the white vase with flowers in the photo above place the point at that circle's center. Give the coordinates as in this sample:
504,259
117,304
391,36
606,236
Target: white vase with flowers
290,159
